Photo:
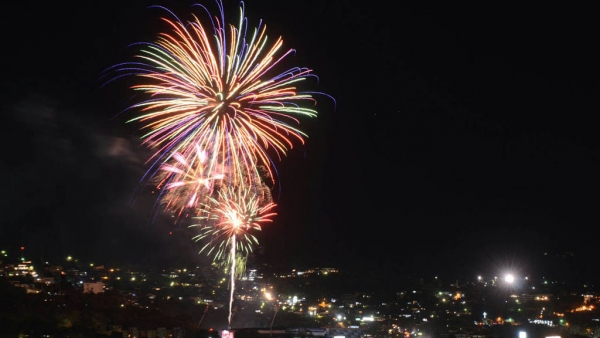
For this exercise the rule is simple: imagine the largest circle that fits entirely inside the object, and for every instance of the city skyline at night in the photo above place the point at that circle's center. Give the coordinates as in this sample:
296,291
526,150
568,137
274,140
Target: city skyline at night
460,139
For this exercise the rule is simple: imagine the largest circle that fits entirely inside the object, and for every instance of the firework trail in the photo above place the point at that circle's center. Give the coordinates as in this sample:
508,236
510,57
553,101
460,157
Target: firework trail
227,223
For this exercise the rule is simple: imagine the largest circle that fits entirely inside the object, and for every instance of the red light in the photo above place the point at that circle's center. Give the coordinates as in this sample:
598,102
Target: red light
211,329
22,248
170,232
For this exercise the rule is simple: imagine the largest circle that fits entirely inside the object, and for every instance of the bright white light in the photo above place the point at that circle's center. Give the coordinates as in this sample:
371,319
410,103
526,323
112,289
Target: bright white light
510,279
522,334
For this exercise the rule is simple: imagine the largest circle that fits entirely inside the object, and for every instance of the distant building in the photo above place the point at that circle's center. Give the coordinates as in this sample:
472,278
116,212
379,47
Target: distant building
115,328
25,268
96,287
47,280
133,333
538,297
252,274
178,332
348,298
346,333
29,288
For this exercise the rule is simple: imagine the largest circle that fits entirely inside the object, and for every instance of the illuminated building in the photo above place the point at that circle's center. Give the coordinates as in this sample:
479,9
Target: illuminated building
96,287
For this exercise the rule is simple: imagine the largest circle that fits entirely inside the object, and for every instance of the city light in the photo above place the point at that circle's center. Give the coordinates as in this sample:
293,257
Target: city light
344,311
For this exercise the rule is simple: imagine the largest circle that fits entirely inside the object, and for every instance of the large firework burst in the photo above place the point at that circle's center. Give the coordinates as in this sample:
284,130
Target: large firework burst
219,89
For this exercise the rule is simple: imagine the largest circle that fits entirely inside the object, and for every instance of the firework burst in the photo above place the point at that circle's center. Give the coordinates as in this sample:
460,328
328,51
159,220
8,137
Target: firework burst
233,214
186,184
219,89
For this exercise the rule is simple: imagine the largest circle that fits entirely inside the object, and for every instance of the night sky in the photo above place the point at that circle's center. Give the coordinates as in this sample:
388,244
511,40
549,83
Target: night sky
463,139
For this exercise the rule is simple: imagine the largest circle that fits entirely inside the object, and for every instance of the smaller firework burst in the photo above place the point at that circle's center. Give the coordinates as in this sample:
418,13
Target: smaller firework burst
188,183
233,215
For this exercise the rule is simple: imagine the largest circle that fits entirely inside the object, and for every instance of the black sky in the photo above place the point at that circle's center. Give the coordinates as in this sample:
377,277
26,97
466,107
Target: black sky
463,138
